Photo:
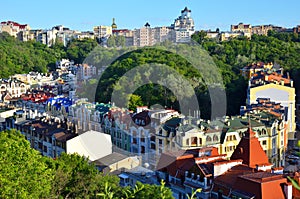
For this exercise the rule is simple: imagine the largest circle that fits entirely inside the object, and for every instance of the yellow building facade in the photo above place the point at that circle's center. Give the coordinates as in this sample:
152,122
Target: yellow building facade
278,93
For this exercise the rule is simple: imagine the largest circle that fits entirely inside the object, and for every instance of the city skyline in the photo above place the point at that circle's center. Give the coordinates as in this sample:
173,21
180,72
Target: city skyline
134,14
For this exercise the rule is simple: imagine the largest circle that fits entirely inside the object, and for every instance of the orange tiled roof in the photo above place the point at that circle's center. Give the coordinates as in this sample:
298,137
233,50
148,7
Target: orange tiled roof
245,179
250,151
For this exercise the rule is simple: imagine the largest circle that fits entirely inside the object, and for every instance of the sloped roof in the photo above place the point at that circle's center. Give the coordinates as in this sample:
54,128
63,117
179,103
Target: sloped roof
91,144
110,159
250,151
244,181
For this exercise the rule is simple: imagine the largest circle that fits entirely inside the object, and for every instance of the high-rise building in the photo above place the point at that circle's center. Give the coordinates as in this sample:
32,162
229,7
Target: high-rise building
184,26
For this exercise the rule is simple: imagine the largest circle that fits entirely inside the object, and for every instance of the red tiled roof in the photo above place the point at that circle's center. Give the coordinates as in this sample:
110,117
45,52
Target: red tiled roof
243,178
250,151
120,30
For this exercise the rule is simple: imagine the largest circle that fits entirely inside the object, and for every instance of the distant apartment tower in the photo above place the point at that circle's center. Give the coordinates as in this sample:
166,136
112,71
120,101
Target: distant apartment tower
184,27
161,34
143,36
102,31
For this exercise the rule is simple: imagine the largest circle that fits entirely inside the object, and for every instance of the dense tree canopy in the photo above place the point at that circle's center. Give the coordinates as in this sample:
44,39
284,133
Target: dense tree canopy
23,57
24,173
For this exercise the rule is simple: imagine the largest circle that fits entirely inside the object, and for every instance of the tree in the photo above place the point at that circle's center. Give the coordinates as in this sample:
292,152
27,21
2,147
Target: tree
199,36
111,41
134,102
23,171
116,41
74,177
120,41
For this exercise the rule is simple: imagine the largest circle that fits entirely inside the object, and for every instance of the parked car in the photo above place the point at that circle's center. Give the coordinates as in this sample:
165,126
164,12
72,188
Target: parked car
293,157
296,149
293,161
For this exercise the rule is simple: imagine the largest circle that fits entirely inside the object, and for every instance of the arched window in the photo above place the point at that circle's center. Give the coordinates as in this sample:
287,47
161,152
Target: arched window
215,138
208,139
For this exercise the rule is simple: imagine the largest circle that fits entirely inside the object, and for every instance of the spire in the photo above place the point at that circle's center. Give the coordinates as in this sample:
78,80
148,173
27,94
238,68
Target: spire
185,10
114,25
147,25
250,150
250,133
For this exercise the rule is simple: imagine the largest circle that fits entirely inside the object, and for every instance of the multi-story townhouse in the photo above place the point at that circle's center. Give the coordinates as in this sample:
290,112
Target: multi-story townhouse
226,133
279,89
274,139
88,116
248,173
225,36
102,31
138,133
47,134
15,29
261,29
246,29
85,71
250,70
12,87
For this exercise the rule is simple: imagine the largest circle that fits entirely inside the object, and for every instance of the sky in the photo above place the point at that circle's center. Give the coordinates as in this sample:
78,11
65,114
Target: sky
83,15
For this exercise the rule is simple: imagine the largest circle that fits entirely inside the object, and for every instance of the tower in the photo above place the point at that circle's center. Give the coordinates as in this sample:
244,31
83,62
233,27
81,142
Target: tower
114,25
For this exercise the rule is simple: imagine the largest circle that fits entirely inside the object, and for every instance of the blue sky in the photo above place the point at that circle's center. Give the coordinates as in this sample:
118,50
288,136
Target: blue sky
83,15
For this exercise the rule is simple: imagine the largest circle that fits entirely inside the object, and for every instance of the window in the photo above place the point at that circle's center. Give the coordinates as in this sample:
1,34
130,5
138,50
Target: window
264,142
153,146
160,141
187,142
152,138
200,141
215,138
134,141
45,149
194,141
208,139
233,137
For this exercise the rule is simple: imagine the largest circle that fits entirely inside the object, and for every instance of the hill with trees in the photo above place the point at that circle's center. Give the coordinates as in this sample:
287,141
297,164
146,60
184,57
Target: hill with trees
229,57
